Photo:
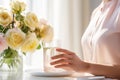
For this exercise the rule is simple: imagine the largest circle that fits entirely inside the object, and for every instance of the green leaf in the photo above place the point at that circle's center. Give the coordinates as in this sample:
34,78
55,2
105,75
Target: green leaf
4,29
19,17
24,53
1,28
25,29
39,46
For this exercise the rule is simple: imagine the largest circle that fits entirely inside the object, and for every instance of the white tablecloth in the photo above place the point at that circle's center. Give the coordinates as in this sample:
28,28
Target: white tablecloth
27,76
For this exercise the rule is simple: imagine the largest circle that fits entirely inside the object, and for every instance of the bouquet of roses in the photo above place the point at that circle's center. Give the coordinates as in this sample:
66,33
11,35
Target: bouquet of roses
20,32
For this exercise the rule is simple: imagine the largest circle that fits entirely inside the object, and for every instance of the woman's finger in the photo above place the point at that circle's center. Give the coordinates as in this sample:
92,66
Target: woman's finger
61,61
64,50
62,56
62,66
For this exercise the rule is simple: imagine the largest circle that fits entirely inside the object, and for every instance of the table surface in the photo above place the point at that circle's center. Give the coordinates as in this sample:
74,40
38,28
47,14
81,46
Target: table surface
27,76
30,77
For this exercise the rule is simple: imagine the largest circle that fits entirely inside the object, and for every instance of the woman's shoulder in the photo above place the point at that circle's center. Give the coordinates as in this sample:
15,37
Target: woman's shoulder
96,10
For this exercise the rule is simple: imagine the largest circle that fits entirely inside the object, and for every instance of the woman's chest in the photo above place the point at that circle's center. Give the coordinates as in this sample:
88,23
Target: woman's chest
95,36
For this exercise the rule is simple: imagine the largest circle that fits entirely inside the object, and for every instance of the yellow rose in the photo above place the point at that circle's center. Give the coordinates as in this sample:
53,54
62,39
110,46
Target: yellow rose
5,18
17,6
31,21
15,38
46,33
30,44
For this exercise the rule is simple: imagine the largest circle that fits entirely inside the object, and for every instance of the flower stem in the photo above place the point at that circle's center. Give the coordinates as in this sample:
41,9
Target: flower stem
13,22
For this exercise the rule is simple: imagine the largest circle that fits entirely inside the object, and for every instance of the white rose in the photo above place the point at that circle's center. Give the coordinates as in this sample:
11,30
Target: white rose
5,18
31,21
17,6
31,43
15,38
46,33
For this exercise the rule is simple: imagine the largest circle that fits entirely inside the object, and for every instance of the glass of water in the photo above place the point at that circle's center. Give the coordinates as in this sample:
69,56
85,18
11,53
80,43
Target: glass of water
49,50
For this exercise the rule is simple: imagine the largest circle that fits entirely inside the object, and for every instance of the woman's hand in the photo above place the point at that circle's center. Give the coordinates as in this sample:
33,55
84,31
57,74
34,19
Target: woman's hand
69,61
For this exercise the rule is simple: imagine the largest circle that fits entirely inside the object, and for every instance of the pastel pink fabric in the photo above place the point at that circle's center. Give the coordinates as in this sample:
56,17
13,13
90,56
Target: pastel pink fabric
101,40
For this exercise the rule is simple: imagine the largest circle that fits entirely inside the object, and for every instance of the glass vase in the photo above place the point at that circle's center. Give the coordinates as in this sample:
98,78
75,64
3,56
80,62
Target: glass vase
11,68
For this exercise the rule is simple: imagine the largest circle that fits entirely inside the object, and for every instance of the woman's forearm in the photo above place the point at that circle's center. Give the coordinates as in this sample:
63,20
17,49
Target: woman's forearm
107,71
69,60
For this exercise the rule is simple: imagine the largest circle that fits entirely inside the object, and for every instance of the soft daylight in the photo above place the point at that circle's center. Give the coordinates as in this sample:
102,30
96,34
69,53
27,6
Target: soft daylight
59,39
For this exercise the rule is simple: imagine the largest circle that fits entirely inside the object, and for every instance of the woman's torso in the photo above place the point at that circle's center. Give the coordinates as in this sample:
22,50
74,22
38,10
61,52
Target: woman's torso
101,40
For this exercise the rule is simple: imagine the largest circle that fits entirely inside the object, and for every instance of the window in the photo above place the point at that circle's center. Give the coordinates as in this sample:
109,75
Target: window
68,18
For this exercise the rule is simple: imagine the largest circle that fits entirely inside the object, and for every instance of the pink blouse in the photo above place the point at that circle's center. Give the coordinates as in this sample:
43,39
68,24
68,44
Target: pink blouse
101,40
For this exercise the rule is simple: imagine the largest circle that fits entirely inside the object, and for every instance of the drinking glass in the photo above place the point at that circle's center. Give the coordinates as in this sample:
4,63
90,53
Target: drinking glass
49,50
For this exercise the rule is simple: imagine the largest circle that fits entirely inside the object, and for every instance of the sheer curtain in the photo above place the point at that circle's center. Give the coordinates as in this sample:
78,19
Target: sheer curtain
68,17
5,3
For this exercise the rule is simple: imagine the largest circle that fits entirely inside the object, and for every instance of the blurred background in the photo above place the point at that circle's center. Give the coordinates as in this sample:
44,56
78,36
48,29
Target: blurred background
69,18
